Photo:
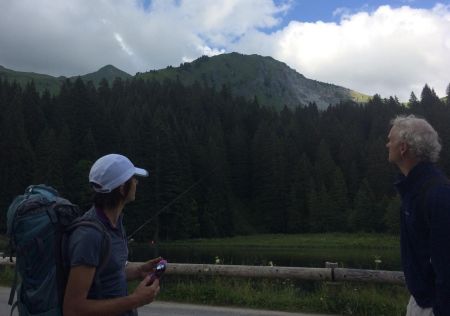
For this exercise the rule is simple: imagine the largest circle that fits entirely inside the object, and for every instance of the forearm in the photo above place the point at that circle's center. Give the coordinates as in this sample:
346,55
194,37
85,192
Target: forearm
133,270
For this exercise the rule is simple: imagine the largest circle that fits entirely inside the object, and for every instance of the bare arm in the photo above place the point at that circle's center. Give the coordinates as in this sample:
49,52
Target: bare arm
76,302
139,270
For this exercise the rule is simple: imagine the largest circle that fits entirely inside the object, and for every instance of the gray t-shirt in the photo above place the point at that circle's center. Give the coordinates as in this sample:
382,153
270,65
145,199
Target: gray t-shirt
84,248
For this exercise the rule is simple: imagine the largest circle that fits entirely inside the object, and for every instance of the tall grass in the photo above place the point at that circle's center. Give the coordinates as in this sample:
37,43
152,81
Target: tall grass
6,275
287,295
324,241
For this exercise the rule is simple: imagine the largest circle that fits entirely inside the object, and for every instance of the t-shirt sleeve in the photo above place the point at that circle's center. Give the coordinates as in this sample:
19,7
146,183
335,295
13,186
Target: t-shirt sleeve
85,247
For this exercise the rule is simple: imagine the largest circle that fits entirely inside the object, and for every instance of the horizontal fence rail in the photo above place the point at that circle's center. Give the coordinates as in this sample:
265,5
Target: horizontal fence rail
331,273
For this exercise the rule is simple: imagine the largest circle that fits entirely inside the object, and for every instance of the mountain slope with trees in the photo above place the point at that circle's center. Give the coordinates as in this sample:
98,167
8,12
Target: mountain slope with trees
261,170
53,84
272,82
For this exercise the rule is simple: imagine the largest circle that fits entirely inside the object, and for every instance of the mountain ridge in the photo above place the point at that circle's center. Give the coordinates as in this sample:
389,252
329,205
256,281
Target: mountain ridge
52,83
271,81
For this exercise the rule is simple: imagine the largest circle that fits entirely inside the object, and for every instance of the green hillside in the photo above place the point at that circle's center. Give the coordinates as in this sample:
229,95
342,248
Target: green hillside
41,81
272,82
53,84
108,72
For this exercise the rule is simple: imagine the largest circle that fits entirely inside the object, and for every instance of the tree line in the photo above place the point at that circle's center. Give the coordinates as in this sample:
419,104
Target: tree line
256,169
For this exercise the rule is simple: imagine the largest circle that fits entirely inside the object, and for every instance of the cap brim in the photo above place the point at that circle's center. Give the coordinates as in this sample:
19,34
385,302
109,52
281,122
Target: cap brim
140,172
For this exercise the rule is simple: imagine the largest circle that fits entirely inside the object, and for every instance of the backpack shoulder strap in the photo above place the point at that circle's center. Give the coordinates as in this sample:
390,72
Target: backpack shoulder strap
105,247
106,242
425,188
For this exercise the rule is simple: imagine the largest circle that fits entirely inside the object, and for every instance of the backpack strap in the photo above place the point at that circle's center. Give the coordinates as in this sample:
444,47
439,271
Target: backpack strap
13,308
105,250
425,188
13,288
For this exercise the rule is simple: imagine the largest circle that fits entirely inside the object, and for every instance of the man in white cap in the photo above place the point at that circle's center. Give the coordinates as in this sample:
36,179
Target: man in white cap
100,288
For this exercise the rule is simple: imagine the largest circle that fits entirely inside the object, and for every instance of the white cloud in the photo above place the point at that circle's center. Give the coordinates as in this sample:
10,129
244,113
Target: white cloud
387,51
122,44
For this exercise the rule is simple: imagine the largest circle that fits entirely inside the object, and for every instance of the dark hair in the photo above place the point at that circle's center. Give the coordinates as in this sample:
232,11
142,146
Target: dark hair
113,198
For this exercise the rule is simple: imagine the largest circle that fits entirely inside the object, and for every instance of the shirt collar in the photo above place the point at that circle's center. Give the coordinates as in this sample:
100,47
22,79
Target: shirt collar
405,183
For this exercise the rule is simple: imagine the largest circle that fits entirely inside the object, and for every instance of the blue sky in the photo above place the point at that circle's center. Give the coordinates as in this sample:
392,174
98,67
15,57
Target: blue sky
391,48
324,10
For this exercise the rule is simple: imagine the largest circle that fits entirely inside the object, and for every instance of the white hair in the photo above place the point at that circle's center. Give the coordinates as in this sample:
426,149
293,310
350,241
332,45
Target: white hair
419,135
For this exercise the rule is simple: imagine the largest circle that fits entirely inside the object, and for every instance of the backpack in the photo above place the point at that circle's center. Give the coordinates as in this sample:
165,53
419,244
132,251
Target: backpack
38,225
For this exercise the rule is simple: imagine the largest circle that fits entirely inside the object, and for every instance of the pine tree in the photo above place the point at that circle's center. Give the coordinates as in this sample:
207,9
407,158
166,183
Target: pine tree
298,210
447,92
34,118
267,180
48,167
362,216
16,164
339,197
392,216
324,166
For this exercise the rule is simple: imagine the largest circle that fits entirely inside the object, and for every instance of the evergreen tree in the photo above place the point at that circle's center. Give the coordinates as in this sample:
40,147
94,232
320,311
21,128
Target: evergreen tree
339,197
17,161
392,216
34,118
48,167
363,217
447,93
297,209
267,181
324,166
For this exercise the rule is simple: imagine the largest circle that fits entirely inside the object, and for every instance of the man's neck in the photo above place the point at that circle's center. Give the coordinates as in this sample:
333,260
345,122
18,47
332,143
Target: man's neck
113,214
407,165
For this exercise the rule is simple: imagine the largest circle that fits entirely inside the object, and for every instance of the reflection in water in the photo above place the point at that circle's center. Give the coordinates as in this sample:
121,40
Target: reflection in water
383,259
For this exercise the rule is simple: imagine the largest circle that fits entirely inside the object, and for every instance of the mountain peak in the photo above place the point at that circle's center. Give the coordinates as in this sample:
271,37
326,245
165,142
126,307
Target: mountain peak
273,82
108,72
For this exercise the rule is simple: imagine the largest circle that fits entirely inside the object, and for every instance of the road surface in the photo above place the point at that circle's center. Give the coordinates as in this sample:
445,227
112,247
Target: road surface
174,309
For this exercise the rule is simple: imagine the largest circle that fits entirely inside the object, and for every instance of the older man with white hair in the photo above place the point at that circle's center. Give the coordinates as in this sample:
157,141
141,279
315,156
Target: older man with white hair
425,215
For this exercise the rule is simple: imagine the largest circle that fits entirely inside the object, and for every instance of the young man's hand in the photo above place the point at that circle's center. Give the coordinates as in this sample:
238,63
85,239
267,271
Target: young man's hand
144,293
147,267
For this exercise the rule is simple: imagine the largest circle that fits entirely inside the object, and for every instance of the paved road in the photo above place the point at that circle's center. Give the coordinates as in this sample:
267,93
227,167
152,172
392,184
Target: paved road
174,309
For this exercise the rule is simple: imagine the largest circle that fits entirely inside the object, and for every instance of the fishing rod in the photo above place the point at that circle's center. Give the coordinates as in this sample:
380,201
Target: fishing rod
130,239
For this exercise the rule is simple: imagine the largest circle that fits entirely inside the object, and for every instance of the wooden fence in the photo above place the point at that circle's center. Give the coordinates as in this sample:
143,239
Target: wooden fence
330,273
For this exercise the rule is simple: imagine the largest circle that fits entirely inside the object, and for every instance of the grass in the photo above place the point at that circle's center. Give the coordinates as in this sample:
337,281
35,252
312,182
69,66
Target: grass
3,242
322,241
287,295
277,294
6,275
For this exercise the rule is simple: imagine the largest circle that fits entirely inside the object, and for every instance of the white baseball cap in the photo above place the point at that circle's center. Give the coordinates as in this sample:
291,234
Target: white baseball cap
111,171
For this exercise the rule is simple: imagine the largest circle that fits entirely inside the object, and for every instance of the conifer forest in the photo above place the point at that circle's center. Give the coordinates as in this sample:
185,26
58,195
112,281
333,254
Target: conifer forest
256,169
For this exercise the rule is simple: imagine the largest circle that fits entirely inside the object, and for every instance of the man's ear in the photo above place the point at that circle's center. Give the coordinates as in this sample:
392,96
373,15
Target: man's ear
122,190
403,149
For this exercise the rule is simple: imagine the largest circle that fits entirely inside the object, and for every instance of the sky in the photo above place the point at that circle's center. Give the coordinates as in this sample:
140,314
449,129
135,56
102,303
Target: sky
391,48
